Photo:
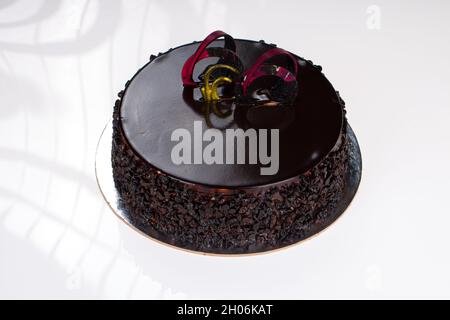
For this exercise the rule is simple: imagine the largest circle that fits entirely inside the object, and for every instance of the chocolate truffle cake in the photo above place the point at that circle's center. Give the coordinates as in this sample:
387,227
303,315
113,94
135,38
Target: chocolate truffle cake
230,146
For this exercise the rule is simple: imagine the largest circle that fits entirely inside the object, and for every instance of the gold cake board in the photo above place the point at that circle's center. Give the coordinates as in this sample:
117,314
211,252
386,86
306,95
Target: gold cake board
105,181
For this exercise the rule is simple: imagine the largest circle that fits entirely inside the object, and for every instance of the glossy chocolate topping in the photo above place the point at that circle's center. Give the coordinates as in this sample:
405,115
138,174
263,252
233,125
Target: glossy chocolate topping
154,105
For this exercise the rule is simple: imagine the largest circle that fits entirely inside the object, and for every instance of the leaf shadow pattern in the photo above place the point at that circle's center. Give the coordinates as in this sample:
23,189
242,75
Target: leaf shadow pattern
103,27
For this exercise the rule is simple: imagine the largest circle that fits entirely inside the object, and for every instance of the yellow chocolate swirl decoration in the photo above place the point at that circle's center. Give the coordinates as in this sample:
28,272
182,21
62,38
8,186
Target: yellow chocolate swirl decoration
209,91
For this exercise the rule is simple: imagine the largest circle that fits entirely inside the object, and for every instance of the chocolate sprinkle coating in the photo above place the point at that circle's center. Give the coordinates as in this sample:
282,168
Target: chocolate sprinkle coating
239,221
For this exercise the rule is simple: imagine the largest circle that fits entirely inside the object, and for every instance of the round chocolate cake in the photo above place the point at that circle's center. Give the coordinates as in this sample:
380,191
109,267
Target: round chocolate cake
245,160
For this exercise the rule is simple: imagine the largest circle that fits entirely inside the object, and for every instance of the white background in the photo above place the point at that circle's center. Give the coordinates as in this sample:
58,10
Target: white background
61,65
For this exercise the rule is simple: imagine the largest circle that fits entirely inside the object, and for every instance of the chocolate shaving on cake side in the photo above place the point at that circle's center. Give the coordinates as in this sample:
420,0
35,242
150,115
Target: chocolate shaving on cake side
237,222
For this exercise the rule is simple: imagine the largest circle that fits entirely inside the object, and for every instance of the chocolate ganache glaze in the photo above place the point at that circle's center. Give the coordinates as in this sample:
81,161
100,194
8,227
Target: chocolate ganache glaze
153,106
